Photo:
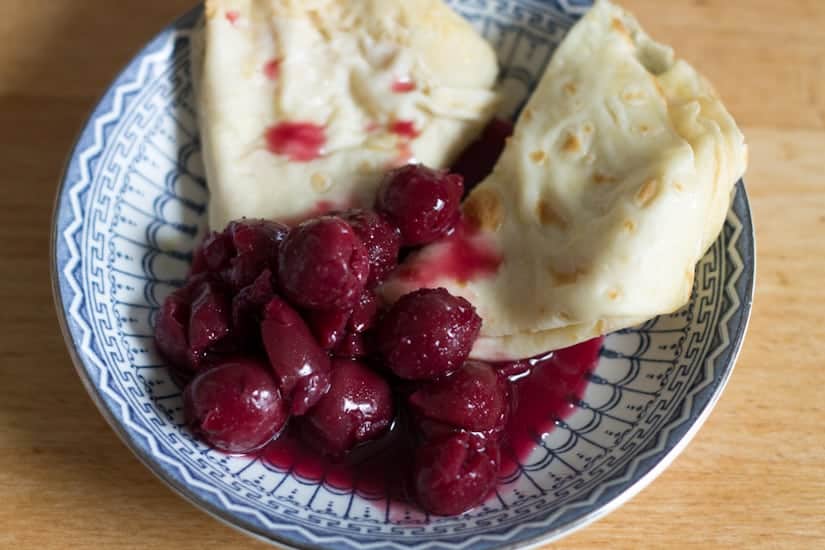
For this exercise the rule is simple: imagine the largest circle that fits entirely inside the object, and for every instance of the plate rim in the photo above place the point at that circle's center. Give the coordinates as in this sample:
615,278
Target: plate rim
642,477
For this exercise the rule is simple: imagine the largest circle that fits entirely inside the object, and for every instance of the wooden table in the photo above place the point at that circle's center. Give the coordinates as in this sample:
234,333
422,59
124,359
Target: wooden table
753,477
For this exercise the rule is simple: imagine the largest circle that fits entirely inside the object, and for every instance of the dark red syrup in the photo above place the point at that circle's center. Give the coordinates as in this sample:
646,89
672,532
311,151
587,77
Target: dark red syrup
544,390
478,160
299,141
375,470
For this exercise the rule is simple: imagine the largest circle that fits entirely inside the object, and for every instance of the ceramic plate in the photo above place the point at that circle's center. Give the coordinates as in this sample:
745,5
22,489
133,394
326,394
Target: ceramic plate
132,207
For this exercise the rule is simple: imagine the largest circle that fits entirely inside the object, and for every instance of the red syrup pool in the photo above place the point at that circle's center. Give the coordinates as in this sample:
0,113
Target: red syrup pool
376,470
544,390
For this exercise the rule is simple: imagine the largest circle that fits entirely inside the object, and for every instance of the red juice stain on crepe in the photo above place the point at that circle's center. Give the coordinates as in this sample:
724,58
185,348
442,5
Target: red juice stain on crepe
321,208
272,69
403,86
232,16
405,156
461,256
404,128
545,389
299,141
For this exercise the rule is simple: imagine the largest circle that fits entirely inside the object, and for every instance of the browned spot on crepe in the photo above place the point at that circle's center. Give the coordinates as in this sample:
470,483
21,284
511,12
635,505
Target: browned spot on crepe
562,278
320,182
647,192
620,28
549,216
571,144
484,209
538,156
598,177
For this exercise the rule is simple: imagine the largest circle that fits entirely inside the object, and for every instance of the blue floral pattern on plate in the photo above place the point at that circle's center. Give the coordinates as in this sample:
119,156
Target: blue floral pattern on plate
131,209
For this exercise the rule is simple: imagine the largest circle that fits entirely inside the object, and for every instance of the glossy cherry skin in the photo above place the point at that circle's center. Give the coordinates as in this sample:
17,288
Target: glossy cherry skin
353,345
301,366
213,253
236,406
172,327
423,203
256,244
381,239
452,475
357,408
329,326
474,398
209,319
364,314
247,309
323,264
427,333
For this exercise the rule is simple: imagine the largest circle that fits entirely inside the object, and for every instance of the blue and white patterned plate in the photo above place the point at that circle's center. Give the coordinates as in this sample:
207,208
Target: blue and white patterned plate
129,212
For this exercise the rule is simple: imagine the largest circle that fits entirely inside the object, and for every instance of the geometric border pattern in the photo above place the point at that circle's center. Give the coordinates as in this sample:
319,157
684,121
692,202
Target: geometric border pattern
100,230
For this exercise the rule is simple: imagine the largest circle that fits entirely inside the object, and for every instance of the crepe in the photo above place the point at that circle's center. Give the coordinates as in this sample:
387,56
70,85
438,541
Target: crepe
616,181
304,104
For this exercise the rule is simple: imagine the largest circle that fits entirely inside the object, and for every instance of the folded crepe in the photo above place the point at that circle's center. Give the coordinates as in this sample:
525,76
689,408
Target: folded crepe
616,181
305,104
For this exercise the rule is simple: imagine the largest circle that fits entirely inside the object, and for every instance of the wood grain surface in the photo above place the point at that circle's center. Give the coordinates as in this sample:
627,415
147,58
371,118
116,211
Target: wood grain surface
754,477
